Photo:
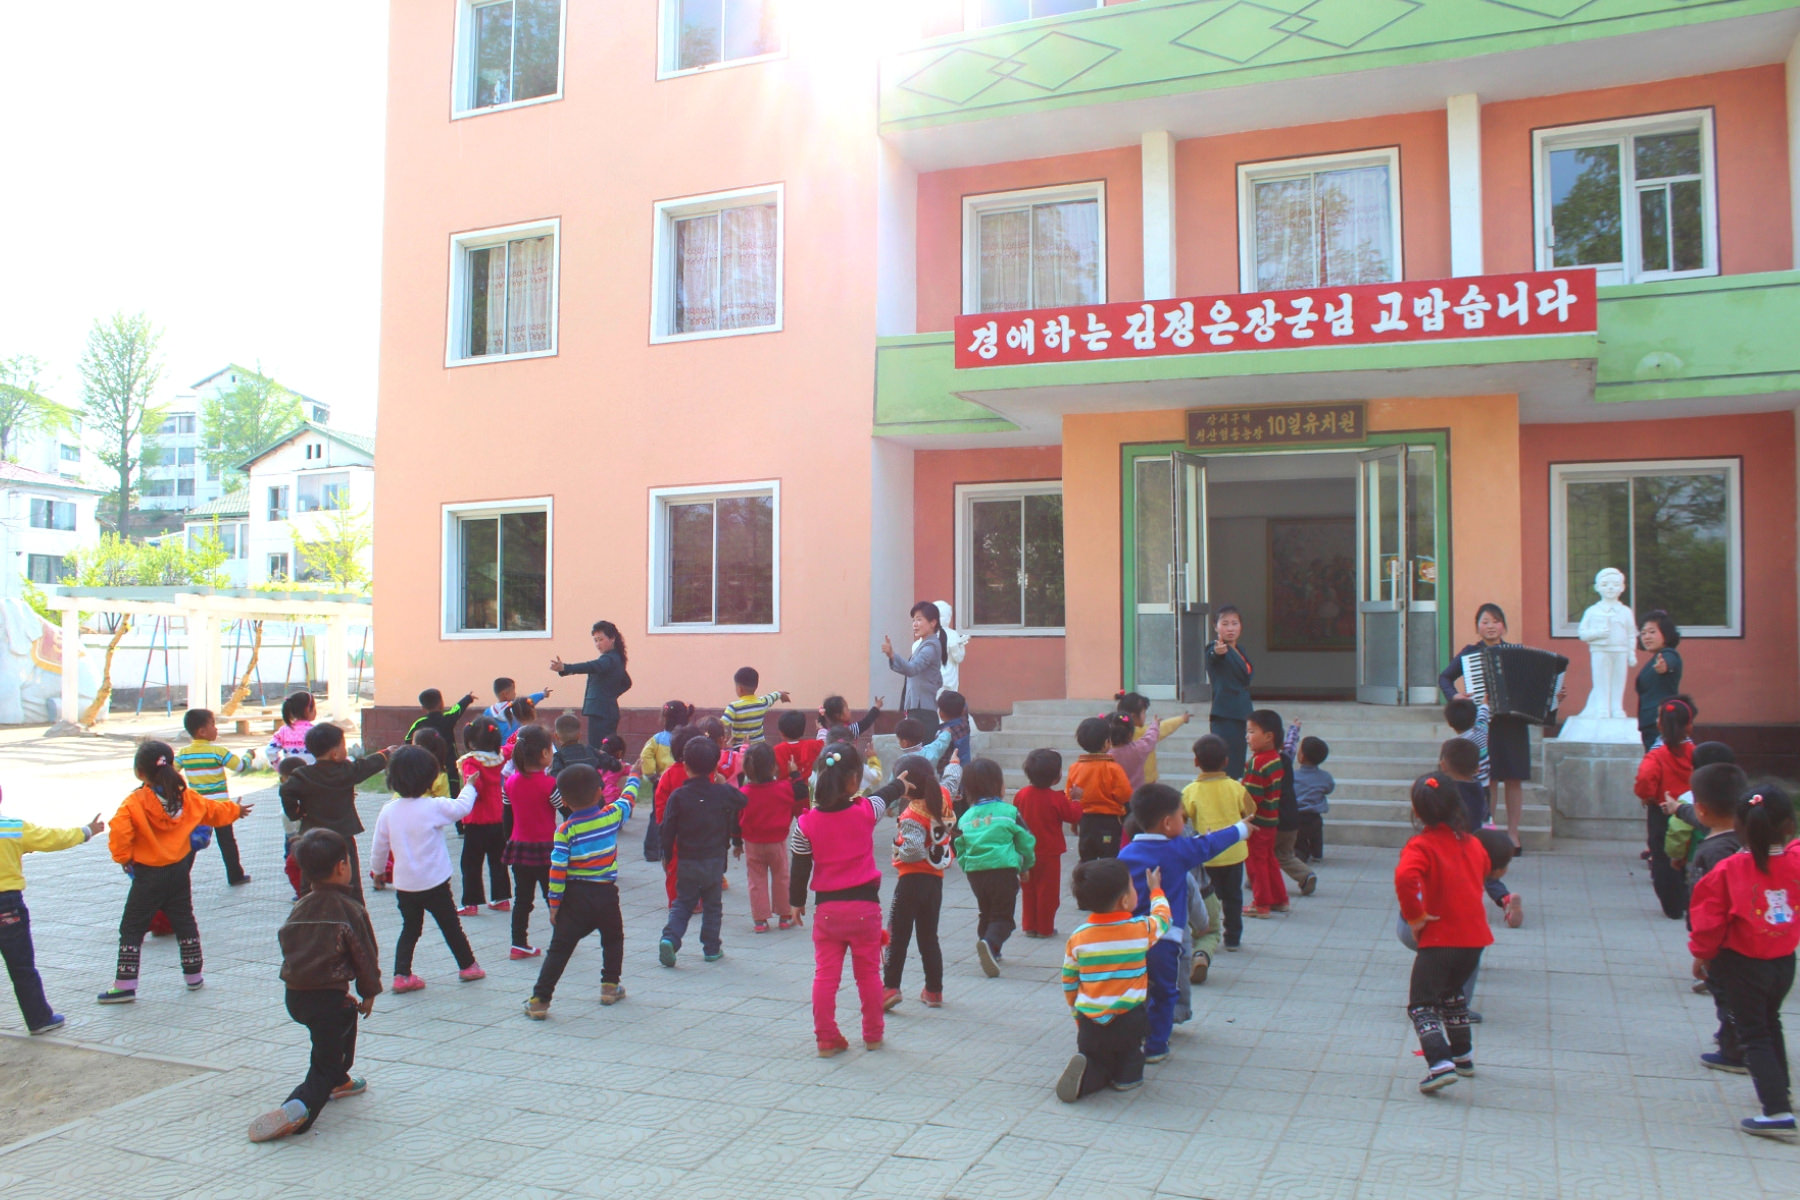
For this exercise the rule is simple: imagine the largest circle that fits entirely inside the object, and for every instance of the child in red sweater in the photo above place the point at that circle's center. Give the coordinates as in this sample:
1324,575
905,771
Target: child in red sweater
1263,779
528,790
771,803
796,754
1439,882
484,829
1046,810
1744,935
1665,772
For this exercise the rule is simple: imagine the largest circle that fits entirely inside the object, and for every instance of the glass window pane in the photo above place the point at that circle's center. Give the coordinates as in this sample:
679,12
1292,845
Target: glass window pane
1049,8
1598,534
480,573
1661,155
493,54
1043,561
1585,206
1155,525
1003,260
1285,252
1681,538
994,561
1687,244
690,582
1421,522
1356,228
698,40
487,298
1653,228
536,32
750,29
697,274
1001,12
1065,253
746,549
523,578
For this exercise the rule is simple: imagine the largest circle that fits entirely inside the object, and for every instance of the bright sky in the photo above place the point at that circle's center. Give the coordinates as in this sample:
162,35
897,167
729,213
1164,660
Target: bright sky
214,163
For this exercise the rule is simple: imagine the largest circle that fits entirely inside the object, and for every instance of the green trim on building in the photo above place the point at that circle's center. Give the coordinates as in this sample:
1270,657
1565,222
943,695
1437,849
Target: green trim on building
1167,47
1729,335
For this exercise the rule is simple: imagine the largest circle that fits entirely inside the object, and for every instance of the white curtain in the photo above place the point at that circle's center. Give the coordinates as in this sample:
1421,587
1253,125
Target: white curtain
696,274
1356,228
1005,260
528,295
747,267
1065,253
1284,234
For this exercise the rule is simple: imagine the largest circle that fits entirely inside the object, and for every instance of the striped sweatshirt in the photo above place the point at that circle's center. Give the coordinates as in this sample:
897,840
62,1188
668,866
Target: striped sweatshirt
1103,972
744,717
586,846
205,764
1262,779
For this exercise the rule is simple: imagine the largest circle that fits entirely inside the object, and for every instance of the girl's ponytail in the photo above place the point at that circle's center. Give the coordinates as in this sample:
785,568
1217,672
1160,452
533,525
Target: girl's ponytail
1674,720
1120,726
155,765
922,778
1766,819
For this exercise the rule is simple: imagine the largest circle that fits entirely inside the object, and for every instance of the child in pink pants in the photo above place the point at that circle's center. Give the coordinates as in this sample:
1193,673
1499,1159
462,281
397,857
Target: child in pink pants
834,853
770,807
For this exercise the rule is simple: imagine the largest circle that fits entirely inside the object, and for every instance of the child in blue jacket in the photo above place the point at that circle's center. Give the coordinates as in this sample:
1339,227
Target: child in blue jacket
1156,809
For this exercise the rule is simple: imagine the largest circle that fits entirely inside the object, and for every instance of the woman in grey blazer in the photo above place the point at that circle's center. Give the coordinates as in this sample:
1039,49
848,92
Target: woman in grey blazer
924,671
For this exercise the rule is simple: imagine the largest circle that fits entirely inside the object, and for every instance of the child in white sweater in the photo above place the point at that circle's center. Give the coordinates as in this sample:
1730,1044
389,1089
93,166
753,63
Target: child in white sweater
412,828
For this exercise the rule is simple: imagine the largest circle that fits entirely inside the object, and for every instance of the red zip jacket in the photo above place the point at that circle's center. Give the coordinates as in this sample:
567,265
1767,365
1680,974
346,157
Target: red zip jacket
769,811
1736,907
483,770
1045,812
1441,874
1665,769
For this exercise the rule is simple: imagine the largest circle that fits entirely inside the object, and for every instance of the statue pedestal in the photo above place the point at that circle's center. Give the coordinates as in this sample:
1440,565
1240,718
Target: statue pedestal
1590,786
1601,731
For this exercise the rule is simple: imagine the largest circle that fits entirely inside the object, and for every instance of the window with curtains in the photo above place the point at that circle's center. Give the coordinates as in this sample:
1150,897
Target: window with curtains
716,556
52,514
1009,539
509,52
698,34
503,293
497,569
1632,199
46,568
718,265
1320,222
1673,527
1041,248
984,13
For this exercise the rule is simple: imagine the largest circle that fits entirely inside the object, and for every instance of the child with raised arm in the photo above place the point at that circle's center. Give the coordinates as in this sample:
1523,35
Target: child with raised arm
796,754
836,711
584,886
1105,977
1105,791
500,712
204,762
1137,707
1458,759
322,794
1133,745
443,719
409,837
17,839
1046,810
746,715
484,829
298,712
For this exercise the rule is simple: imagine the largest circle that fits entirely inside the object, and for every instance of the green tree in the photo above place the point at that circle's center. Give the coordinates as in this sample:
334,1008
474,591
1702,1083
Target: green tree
242,421
336,555
23,409
119,371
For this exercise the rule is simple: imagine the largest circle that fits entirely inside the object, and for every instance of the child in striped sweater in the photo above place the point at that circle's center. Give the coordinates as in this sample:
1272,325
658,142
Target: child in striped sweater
1106,980
584,885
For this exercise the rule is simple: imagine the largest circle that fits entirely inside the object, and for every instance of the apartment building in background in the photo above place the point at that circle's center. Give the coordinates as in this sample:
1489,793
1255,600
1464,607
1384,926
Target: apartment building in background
176,475
758,323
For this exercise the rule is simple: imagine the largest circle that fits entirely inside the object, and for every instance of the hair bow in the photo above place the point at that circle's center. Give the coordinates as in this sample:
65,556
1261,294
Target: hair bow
1431,781
1756,799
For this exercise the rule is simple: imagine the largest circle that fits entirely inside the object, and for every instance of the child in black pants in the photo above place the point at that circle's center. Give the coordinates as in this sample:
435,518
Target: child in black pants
584,884
1105,974
326,943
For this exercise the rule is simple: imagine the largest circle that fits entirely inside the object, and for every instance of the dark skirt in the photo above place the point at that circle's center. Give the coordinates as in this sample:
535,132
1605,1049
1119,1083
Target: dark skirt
526,854
1509,749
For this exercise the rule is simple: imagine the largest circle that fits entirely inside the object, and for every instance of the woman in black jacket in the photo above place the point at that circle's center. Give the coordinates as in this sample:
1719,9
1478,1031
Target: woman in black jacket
607,681
1509,738
1659,679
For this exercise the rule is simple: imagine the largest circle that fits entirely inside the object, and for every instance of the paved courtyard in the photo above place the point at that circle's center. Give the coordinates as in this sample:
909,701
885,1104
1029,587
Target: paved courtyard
1296,1077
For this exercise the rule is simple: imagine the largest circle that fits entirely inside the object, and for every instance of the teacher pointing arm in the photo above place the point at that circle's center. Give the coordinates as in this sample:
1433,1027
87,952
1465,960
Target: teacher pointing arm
607,681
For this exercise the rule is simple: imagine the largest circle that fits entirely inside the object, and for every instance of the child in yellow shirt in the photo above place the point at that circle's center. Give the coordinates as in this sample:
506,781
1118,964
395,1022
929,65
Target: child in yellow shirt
17,839
1212,802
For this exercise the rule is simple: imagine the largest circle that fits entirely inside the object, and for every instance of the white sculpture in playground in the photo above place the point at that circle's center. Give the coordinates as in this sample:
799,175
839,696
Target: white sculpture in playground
32,660
1611,634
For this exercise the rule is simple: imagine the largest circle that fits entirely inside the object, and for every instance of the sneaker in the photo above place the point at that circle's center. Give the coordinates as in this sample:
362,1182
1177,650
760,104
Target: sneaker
713,956
990,965
1160,1056
611,994
872,1045
242,880
1259,913
1233,947
1464,1067
1309,885
501,906
1474,1017
278,1123
1126,1087
56,1022
932,999
194,985
1780,1126
1720,1062
468,910
1202,964
118,995
759,927
787,923
1701,988
1514,908
471,973
890,999
356,1085
1068,1084
1440,1077
665,952
524,952
407,983
833,1048
537,1009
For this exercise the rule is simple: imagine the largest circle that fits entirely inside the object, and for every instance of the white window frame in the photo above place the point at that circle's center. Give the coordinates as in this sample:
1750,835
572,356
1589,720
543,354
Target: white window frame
449,579
1561,474
51,503
286,574
662,248
1543,141
975,206
1250,174
31,561
966,494
456,334
659,548
284,510
668,41
972,16
462,73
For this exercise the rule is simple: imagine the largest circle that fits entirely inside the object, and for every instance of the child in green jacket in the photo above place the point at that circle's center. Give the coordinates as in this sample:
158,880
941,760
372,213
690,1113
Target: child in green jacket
993,845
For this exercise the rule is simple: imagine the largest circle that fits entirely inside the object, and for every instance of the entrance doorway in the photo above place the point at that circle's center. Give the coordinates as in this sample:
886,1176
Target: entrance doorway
1331,556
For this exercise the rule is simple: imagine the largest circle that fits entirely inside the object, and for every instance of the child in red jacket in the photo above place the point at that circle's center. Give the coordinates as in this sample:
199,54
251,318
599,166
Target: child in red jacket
1440,886
1665,772
771,802
1744,935
1046,810
484,829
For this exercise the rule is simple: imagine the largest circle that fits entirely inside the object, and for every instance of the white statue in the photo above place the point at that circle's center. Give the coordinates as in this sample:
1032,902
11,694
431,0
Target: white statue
1611,634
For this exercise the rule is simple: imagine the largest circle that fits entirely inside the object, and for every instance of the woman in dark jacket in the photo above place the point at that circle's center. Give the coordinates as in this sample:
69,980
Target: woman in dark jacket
607,681
1660,678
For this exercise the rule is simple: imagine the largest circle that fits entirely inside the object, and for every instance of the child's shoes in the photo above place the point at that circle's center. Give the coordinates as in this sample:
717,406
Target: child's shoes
468,910
118,995
611,993
407,983
932,999
524,952
471,973
501,906
56,1022
1780,1126
665,952
759,927
890,999
788,923
1202,964
537,1009
1068,1084
833,1048
1439,1077
278,1123
990,963
356,1085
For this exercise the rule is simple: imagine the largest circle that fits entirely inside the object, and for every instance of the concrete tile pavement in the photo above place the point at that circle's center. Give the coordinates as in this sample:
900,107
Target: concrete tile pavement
1295,1078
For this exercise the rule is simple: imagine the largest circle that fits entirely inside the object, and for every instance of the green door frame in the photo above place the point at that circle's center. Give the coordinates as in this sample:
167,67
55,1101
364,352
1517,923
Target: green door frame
1437,439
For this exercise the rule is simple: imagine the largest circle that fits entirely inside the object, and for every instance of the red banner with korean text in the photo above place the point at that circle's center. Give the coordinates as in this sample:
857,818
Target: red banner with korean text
1531,304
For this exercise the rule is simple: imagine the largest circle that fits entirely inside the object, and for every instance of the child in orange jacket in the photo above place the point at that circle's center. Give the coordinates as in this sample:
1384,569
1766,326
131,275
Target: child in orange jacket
1105,792
149,838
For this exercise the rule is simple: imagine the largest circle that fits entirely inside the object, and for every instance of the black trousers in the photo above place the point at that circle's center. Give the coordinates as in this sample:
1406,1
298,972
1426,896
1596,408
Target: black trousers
526,882
330,1017
1754,989
1114,1051
413,907
21,960
996,895
585,907
1309,841
228,850
599,728
1098,836
1667,880
1234,731
169,890
484,843
1438,1003
918,899
1228,886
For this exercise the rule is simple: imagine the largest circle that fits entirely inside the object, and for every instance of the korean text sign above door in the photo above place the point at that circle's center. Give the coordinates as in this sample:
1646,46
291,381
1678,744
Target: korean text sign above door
1530,304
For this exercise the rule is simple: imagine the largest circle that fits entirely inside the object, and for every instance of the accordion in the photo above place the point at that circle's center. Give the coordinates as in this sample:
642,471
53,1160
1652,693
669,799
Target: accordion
1515,681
